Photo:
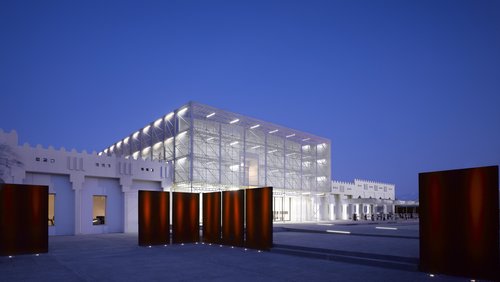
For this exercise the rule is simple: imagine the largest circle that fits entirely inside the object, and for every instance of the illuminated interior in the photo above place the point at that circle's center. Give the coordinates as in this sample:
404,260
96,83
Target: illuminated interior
51,217
99,210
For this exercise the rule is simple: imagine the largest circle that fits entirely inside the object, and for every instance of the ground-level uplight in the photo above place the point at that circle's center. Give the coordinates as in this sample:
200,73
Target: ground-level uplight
386,228
338,231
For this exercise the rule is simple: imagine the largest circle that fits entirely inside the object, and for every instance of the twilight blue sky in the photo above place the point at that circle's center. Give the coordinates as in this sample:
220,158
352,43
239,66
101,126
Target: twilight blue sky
400,87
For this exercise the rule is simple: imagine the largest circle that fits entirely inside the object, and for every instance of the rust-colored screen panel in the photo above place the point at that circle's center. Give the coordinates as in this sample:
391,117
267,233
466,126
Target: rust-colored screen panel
459,222
232,217
23,219
259,218
154,218
185,217
212,217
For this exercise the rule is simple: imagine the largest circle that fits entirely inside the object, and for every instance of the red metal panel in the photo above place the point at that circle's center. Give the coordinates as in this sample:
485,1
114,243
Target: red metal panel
232,217
259,218
23,219
154,218
459,222
186,217
212,217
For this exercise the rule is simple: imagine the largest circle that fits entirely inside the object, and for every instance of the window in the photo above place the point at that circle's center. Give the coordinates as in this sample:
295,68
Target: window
52,201
99,210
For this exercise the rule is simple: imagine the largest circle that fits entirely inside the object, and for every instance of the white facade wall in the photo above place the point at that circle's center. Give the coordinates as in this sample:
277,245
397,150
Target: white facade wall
364,189
75,177
110,188
131,199
61,186
361,197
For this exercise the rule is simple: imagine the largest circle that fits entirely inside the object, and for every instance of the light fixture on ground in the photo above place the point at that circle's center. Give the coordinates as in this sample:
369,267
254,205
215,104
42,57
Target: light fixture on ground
338,231
386,228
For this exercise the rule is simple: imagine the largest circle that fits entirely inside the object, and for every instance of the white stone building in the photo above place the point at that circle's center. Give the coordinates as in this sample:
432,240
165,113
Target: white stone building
83,187
362,197
195,148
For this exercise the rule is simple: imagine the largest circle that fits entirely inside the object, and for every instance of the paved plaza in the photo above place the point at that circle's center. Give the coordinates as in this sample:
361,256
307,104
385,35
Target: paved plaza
327,251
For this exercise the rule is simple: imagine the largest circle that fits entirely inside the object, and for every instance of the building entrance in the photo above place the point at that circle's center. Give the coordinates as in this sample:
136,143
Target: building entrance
281,208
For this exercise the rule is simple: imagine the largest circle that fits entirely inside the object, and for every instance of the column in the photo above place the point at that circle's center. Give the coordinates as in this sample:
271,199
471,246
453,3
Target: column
77,185
130,210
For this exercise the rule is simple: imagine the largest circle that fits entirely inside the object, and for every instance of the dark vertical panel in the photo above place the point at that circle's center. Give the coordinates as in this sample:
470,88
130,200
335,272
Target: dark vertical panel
459,222
259,218
154,218
232,217
23,219
212,217
186,217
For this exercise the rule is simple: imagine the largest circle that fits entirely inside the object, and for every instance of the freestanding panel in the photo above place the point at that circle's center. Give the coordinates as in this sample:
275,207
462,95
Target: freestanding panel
23,219
212,217
154,218
459,222
186,217
259,218
232,217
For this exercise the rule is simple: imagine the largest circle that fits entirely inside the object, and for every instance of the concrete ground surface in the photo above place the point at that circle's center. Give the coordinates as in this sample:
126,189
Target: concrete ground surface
303,252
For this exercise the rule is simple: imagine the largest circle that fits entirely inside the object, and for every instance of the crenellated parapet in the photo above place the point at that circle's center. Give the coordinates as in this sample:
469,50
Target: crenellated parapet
362,181
78,164
364,189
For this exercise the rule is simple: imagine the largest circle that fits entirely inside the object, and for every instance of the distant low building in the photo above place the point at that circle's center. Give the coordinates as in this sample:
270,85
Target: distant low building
362,199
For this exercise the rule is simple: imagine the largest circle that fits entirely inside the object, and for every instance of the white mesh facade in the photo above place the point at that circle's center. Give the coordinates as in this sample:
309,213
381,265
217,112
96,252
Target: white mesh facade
212,149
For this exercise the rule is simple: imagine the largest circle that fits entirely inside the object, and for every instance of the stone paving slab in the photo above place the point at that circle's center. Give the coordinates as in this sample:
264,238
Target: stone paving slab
387,243
117,257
